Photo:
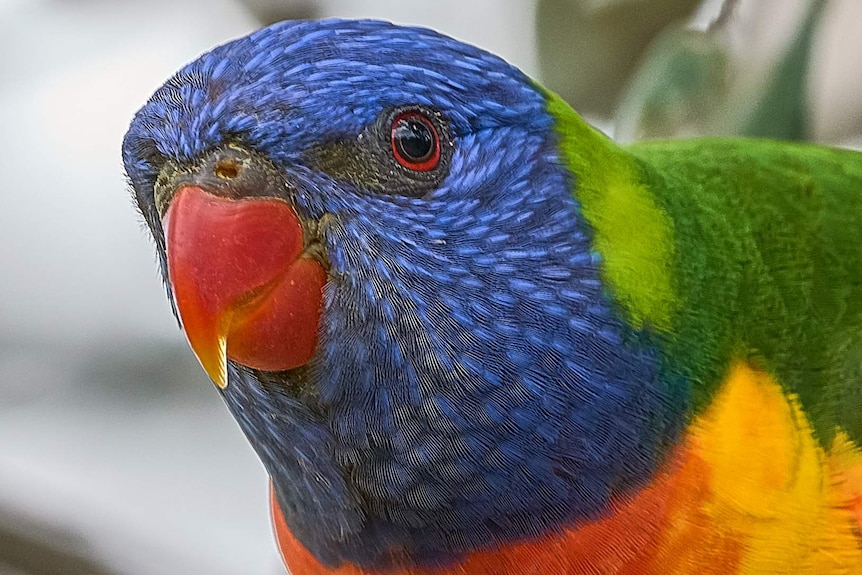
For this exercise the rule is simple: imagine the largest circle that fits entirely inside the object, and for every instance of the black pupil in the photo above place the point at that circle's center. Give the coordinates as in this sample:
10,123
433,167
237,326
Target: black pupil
414,140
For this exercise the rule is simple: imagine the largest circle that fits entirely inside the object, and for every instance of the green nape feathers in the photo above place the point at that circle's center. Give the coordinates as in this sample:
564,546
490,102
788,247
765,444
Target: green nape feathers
742,250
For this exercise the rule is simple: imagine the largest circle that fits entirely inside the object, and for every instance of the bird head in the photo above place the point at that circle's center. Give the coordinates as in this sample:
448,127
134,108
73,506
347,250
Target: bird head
370,238
314,155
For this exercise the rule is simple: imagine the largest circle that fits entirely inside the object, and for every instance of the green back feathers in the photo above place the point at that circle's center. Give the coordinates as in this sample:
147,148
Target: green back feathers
769,266
734,249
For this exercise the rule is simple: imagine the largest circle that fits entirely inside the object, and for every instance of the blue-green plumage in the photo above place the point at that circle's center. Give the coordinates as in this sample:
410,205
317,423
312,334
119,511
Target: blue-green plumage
521,333
422,425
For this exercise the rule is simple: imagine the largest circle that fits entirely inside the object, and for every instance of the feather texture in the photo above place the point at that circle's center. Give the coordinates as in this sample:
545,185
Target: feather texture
747,491
549,354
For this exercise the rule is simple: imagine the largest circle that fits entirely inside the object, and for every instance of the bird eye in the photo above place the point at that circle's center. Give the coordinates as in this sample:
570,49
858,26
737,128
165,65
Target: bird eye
415,143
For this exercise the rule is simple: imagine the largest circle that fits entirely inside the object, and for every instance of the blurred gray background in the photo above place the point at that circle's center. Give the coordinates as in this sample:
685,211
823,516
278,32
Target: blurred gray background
116,455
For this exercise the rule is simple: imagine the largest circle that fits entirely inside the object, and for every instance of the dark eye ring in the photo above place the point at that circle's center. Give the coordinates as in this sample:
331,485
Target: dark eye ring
415,142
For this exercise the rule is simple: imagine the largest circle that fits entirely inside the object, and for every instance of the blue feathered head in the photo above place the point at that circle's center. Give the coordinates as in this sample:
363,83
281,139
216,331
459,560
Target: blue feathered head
446,372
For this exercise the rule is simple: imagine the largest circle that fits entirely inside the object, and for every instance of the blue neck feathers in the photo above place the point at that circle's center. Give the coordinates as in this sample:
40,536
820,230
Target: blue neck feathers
472,385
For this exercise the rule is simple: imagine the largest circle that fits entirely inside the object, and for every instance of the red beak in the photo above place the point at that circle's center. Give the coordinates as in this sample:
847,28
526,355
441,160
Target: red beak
242,286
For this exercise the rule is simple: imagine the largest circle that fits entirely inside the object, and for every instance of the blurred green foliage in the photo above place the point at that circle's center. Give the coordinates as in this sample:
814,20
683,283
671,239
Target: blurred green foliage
781,110
645,67
680,86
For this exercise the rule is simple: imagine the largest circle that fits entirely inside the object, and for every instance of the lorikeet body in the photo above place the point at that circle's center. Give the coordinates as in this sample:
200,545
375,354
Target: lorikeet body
467,333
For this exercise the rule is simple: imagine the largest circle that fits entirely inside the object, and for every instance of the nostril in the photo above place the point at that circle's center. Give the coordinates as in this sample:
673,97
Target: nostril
227,169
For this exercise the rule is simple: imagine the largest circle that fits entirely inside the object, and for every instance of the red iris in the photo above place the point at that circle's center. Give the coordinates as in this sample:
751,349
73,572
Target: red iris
415,143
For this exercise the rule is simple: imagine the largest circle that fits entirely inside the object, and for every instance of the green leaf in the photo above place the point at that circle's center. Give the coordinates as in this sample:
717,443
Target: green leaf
782,111
680,85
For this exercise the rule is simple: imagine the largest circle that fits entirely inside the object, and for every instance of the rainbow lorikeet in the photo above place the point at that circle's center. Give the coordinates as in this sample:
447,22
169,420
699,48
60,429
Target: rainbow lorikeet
467,333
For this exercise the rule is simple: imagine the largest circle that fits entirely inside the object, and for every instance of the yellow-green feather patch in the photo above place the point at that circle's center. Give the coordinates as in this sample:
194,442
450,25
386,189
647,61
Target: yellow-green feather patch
631,233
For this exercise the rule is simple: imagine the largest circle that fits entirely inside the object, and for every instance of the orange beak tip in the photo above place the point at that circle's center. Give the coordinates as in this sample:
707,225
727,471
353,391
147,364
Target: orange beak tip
215,364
